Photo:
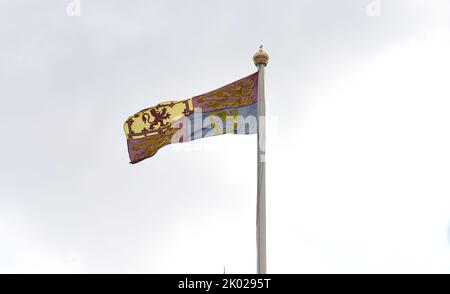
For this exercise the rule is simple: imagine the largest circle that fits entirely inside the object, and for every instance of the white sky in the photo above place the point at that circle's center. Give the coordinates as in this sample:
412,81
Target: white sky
358,162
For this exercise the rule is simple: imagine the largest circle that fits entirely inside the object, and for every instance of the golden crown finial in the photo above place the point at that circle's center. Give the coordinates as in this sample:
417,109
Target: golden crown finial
261,57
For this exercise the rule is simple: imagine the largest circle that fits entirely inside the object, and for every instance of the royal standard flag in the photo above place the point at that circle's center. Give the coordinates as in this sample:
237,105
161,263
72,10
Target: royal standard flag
231,109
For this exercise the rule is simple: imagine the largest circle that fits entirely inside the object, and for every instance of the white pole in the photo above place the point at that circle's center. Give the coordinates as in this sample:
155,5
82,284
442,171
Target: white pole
261,58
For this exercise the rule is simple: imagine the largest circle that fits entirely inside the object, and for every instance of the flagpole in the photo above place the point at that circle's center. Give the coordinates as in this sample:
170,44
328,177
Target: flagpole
261,59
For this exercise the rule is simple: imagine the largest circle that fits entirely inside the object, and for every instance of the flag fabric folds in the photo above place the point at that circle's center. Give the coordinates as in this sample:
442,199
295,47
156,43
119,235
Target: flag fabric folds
231,109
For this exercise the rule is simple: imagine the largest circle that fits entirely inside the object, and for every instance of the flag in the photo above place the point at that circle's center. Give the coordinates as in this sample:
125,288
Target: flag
231,109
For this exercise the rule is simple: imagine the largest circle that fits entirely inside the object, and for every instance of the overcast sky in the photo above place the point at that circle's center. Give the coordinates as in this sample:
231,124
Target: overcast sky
358,161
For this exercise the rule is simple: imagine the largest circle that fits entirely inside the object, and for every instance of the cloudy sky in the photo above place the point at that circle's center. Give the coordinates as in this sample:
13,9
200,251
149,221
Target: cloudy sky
358,161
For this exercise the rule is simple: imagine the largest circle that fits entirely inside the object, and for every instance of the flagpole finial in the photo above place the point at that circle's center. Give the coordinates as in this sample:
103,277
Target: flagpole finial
261,57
